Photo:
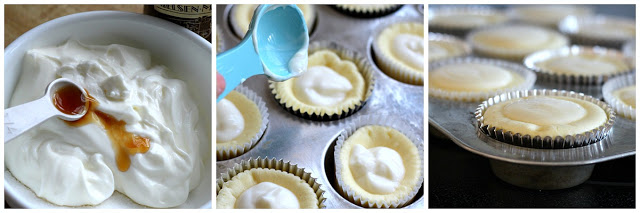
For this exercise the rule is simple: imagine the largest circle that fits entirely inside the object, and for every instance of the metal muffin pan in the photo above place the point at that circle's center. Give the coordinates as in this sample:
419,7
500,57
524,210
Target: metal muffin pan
309,144
530,167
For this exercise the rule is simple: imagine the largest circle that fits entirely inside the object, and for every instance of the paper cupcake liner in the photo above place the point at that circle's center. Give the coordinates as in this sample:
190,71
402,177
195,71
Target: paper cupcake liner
364,68
509,53
219,40
394,68
466,48
571,25
231,151
566,79
240,33
528,75
382,120
275,164
629,51
461,31
612,85
362,11
544,142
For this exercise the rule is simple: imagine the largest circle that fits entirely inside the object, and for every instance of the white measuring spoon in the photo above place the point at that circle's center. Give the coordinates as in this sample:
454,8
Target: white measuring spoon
21,118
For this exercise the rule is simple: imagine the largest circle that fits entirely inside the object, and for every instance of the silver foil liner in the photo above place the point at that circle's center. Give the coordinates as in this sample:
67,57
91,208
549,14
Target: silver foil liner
459,30
466,48
528,76
276,164
544,142
572,26
548,76
381,120
612,85
227,152
364,68
363,12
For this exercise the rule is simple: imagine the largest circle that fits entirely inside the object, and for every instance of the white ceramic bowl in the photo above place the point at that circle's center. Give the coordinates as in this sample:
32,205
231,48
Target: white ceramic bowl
184,52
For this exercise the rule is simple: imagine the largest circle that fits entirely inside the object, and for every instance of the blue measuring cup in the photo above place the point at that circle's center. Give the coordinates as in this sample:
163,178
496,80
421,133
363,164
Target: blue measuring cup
275,45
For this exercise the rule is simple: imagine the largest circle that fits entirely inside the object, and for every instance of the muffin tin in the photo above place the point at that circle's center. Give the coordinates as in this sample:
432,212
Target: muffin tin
529,167
310,144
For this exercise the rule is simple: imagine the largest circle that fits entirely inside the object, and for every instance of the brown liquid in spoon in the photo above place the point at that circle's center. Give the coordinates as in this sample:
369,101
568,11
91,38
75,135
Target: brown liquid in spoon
124,143
69,100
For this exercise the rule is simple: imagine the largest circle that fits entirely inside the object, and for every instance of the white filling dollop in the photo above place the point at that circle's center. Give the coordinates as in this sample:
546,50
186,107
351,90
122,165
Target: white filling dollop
410,49
322,86
267,195
75,166
377,170
229,121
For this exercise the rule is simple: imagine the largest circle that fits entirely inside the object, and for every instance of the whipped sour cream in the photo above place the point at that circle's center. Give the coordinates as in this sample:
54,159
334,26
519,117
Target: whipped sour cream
267,195
229,120
322,86
75,166
377,170
410,49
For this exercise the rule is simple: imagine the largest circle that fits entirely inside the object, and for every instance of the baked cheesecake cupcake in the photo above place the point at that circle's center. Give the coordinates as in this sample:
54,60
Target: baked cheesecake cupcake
629,51
367,10
609,31
241,15
336,84
545,118
241,119
546,15
620,93
514,42
443,46
399,52
578,65
459,20
268,184
378,162
475,79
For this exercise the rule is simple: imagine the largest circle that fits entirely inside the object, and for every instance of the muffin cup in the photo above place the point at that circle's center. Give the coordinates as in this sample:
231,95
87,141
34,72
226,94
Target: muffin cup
571,26
364,68
528,75
382,120
566,79
219,40
359,11
544,142
393,68
612,85
460,30
272,163
466,48
227,152
510,54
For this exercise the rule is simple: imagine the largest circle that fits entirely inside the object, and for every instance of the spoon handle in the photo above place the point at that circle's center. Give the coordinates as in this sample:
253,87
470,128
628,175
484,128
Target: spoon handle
238,64
23,117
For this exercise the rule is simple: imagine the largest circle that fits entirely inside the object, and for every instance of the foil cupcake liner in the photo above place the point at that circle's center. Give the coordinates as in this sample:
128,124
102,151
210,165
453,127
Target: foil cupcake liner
238,29
231,151
518,13
219,40
275,164
528,76
462,31
364,68
510,53
572,26
382,120
366,11
463,46
545,75
393,68
544,142
612,85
